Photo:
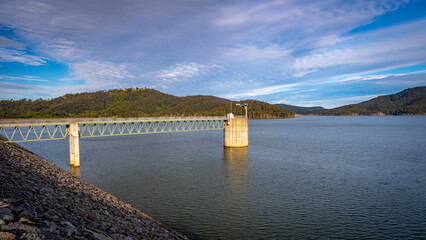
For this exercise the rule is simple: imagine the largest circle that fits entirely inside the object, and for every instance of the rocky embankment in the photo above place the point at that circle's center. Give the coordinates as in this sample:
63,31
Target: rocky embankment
39,200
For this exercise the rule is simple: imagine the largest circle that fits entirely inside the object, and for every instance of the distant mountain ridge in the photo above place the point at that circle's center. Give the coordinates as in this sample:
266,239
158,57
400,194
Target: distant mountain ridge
301,110
411,101
134,102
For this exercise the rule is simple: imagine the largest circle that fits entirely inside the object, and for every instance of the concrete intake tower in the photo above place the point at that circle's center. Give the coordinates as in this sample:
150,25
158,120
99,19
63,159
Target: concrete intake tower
235,132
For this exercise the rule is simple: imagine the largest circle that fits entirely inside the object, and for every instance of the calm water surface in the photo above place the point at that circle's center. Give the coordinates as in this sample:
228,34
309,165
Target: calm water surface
311,177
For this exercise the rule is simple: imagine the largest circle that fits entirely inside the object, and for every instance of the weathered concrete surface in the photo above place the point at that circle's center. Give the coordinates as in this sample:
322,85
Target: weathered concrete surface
235,132
74,145
39,200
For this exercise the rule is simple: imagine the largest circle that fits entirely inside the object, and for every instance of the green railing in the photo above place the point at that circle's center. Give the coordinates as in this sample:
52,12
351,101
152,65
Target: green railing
33,132
144,127
36,130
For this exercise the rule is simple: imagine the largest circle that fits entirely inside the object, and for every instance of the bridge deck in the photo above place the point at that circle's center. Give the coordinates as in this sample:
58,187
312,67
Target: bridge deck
65,121
24,130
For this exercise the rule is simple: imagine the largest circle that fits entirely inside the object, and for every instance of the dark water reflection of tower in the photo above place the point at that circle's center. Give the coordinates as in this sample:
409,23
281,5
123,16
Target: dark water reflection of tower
237,185
236,164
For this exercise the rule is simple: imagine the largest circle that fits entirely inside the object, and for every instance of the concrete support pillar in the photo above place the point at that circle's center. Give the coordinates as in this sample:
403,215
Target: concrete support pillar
75,171
74,145
236,132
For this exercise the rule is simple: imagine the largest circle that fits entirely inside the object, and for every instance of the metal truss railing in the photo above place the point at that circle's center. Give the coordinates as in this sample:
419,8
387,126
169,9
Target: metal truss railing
145,127
29,133
26,132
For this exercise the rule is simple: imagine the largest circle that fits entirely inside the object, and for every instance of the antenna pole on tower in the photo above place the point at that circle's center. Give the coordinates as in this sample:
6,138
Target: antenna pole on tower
231,103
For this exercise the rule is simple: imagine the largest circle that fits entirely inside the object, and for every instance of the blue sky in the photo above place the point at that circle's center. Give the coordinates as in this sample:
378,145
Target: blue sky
306,53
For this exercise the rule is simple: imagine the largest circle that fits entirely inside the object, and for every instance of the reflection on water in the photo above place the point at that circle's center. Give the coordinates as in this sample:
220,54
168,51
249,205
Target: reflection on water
237,192
236,156
236,168
75,171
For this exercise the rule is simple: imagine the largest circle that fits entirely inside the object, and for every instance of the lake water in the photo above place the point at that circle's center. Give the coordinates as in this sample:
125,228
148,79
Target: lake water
302,178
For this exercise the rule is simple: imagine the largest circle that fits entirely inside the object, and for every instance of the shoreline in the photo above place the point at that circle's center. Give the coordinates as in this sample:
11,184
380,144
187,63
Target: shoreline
357,115
39,200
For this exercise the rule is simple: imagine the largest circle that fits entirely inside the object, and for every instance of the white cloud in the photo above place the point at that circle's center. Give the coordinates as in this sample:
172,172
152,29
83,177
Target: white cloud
375,76
183,71
243,14
255,54
8,43
265,90
62,49
15,90
10,55
404,80
303,73
188,73
303,24
335,102
102,74
326,59
391,47
327,40
25,78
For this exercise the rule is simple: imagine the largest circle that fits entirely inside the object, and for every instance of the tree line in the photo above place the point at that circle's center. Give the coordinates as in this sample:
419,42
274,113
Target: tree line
133,102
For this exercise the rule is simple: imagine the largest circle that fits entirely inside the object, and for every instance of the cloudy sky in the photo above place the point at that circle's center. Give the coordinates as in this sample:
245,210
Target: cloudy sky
306,53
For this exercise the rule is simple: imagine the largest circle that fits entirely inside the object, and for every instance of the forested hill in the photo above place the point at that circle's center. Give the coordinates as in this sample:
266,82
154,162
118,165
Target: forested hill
301,110
409,102
133,102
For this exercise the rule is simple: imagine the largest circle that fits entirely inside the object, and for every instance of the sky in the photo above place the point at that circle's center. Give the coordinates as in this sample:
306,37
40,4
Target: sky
305,53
